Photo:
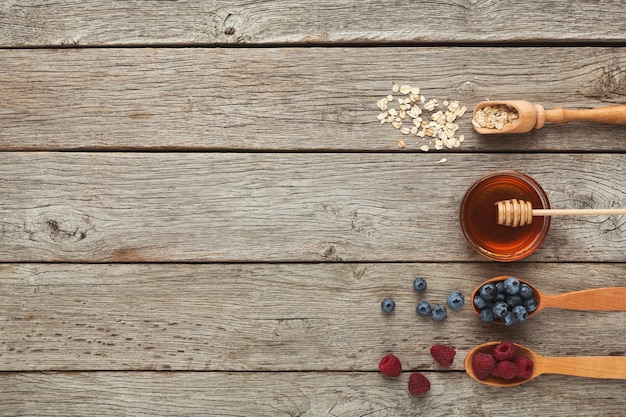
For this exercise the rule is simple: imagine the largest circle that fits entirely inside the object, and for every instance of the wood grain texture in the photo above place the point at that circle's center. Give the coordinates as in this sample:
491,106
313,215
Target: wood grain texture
275,317
298,394
197,22
232,207
290,98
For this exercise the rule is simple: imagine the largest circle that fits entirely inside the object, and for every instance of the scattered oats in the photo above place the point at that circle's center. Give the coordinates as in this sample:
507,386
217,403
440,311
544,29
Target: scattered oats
442,161
439,125
430,106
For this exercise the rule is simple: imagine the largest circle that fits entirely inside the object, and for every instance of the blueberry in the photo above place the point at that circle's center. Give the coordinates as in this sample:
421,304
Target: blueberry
508,319
520,314
525,291
513,300
419,284
500,297
500,309
500,286
488,291
479,302
511,286
486,315
439,313
423,309
455,300
388,305
531,304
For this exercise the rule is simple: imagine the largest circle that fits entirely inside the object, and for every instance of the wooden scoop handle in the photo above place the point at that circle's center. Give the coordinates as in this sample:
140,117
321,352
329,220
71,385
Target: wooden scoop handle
519,213
612,114
613,367
595,299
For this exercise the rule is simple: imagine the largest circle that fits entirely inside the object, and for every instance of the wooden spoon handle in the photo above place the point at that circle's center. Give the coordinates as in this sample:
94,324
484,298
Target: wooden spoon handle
598,299
612,114
613,367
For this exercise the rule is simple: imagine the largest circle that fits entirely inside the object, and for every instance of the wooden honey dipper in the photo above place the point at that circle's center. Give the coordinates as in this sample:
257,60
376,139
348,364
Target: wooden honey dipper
520,213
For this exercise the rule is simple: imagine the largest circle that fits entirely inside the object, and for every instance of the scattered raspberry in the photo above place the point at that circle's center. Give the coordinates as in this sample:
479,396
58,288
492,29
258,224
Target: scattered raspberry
390,366
504,351
418,384
524,366
506,370
443,355
483,364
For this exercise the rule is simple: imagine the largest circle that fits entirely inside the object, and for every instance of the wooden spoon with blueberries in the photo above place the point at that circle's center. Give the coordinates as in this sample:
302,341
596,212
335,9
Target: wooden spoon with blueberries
508,300
606,367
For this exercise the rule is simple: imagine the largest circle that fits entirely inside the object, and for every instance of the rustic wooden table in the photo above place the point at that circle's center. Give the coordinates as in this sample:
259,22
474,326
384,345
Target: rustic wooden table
200,212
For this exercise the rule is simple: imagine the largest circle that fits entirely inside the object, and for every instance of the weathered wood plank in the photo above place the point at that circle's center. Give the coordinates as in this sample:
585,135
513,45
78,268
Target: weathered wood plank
275,317
197,22
223,207
290,99
298,394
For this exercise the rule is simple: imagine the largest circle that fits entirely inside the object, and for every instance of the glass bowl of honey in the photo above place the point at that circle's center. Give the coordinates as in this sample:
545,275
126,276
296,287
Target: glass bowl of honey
479,216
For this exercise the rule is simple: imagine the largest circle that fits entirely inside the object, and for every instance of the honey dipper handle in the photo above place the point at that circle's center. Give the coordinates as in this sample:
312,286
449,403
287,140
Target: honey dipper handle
578,212
611,114
613,367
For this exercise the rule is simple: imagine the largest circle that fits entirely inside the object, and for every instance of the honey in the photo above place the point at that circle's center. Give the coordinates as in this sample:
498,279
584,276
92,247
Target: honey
479,216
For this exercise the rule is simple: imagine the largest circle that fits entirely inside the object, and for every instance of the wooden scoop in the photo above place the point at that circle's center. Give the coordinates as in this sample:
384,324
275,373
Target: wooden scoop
520,213
595,299
534,116
609,367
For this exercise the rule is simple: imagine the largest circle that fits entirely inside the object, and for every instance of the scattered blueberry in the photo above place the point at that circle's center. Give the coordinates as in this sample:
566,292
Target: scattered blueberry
424,309
455,300
508,319
439,313
520,313
479,302
525,291
531,304
419,284
511,286
486,315
500,309
388,305
488,291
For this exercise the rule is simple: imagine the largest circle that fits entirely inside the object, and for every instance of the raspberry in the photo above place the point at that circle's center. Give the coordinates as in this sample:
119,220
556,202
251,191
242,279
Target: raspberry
443,355
483,364
390,366
524,366
506,370
504,351
418,384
